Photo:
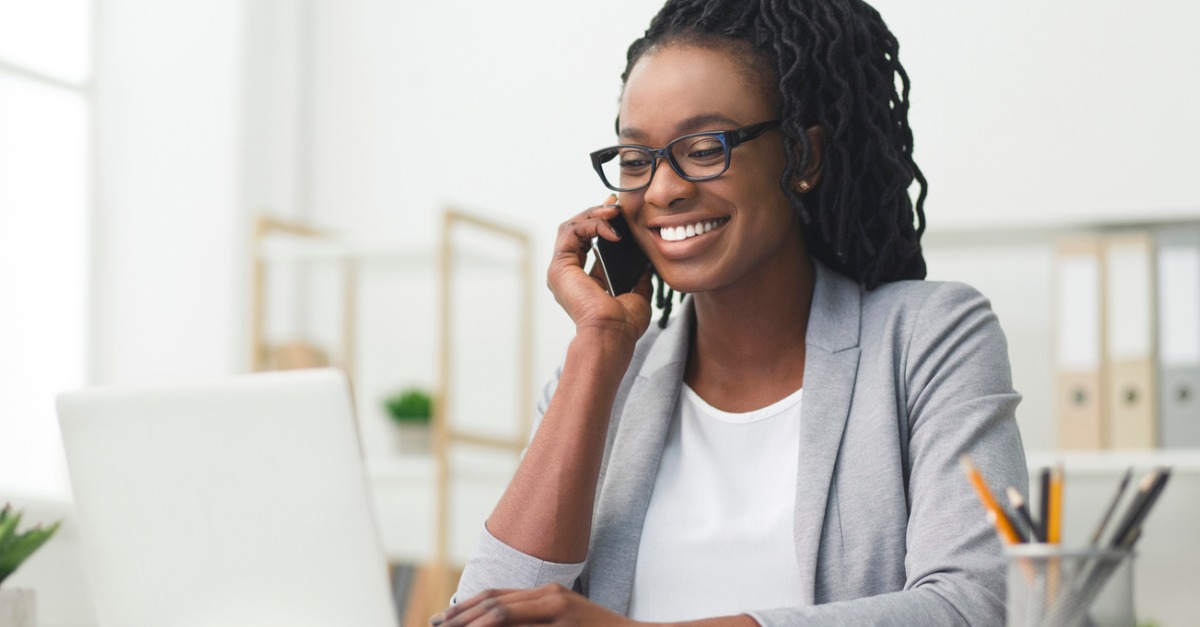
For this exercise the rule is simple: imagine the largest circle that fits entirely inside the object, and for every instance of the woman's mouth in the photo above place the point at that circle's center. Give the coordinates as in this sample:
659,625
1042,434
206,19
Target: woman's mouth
680,233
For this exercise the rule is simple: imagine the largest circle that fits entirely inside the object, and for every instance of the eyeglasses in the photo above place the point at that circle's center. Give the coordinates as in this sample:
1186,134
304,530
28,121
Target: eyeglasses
695,157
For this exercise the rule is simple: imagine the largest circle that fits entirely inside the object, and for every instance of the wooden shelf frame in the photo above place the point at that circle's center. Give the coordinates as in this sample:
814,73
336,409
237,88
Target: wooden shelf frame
446,435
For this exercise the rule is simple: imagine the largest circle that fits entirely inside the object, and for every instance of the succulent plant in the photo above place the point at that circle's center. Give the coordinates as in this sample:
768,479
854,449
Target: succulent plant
16,547
410,406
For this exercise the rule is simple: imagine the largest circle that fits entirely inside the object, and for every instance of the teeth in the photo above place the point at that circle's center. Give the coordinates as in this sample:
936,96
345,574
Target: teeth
678,233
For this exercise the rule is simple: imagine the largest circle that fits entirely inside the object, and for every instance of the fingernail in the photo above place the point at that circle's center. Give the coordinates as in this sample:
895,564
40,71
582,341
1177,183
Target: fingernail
436,620
612,199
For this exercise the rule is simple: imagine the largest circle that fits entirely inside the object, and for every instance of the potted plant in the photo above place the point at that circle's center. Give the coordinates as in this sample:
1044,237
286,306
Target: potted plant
18,608
411,411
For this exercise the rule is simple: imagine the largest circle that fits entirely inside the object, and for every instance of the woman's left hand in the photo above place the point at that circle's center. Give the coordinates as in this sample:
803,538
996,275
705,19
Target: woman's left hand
551,604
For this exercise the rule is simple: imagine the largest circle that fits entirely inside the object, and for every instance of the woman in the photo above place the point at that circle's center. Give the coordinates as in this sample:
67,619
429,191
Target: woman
784,448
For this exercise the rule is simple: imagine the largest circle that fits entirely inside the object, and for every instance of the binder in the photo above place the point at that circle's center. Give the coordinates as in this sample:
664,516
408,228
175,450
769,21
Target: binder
1129,320
1178,258
1079,343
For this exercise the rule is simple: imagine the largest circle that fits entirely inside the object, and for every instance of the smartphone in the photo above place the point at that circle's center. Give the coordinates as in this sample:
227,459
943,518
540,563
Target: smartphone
623,261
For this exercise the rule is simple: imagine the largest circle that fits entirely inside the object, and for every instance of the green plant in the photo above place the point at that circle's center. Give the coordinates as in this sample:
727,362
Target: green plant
411,406
16,547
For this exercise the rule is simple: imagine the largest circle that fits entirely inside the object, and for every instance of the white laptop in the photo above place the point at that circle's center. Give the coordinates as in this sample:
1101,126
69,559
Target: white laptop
235,502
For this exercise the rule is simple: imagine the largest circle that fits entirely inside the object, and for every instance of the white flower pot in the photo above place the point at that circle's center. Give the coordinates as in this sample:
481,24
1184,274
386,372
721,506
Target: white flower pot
18,608
414,438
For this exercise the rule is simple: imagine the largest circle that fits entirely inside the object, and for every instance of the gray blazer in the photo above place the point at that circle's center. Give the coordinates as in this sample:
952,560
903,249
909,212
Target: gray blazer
899,383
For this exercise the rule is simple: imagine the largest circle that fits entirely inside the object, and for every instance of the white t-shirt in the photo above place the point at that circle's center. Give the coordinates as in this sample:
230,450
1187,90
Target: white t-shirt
718,539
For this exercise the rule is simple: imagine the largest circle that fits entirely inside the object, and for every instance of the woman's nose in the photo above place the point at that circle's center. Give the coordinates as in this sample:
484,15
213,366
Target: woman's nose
667,186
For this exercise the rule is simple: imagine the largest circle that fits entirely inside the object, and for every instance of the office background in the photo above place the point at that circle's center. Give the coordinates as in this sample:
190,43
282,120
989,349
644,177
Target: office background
139,139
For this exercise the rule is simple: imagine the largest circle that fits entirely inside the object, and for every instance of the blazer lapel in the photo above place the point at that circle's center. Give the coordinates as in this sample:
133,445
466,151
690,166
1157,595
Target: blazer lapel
830,369
635,455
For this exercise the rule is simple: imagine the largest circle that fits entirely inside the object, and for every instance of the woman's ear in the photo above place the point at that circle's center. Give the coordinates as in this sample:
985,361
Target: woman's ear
812,175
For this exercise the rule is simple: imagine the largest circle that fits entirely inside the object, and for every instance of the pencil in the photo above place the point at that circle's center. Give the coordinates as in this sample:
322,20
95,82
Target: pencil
1112,507
1018,504
1130,529
1053,522
1054,515
1128,519
1003,525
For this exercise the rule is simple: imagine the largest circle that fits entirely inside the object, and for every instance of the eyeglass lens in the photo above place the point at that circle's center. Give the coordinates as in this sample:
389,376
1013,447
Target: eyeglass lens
698,157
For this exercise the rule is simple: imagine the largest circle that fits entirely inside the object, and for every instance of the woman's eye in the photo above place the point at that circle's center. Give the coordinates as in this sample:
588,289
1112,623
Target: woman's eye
706,151
634,163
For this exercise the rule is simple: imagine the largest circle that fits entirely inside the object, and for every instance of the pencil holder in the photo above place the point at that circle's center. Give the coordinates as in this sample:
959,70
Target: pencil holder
1049,586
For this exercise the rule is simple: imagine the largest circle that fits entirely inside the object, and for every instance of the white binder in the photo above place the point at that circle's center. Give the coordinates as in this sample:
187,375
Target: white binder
1178,256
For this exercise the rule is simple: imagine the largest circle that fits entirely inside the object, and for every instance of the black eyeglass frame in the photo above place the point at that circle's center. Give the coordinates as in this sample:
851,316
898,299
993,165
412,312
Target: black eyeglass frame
729,140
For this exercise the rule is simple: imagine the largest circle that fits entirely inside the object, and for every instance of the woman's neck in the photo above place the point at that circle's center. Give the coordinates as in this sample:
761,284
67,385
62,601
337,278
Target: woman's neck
748,341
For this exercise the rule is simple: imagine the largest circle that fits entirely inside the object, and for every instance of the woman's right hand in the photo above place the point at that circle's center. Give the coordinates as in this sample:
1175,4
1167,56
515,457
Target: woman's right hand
583,296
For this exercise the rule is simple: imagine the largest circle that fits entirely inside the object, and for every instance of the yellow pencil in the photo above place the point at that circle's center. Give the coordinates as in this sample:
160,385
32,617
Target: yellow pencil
1003,526
1054,516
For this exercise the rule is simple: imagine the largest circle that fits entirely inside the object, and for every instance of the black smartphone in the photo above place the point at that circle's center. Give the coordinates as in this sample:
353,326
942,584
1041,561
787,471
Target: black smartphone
623,261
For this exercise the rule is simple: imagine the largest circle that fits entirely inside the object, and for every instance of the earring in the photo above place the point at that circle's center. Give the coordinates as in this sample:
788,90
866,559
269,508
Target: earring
803,186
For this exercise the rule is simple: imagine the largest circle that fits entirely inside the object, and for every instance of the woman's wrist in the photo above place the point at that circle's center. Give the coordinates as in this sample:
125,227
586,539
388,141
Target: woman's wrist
607,341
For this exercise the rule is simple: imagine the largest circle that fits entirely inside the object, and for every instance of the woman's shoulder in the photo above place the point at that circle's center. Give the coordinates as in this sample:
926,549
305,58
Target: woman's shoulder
896,298
928,309
928,296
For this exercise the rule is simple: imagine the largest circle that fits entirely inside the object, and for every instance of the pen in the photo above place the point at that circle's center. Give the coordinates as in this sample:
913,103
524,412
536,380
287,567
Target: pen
1003,525
1128,531
1128,519
1044,503
1018,503
1131,526
1111,507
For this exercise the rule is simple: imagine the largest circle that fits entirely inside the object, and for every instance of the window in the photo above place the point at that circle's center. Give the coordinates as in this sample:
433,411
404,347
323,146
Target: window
45,204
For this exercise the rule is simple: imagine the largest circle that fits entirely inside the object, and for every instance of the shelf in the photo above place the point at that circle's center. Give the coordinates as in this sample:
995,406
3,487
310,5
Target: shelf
1045,231
954,233
288,249
1107,462
285,248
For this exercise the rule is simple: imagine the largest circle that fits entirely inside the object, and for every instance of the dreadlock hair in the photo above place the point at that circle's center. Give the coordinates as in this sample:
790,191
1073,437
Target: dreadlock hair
836,65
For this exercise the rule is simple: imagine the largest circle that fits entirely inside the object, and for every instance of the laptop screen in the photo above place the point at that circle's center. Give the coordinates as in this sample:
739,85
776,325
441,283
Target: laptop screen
240,501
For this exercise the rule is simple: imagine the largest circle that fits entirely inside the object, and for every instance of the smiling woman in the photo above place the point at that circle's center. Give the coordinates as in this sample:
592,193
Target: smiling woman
785,450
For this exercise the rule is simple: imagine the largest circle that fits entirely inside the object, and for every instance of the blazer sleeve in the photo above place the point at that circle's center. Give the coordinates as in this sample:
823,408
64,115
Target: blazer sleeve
957,390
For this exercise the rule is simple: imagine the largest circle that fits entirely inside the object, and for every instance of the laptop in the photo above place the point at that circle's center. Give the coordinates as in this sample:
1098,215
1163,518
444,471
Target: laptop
234,502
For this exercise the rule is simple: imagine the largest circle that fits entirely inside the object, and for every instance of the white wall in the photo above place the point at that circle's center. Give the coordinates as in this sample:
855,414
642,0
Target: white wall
488,106
272,131
168,300
1052,112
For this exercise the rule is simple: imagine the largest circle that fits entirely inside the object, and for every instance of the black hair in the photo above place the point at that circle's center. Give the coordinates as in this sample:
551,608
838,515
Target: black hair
836,65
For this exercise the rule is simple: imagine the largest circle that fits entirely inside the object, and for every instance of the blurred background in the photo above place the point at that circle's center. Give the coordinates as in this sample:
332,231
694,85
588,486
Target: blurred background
141,141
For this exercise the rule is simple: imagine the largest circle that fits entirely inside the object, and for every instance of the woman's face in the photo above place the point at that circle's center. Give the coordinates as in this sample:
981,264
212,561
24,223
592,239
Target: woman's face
683,89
